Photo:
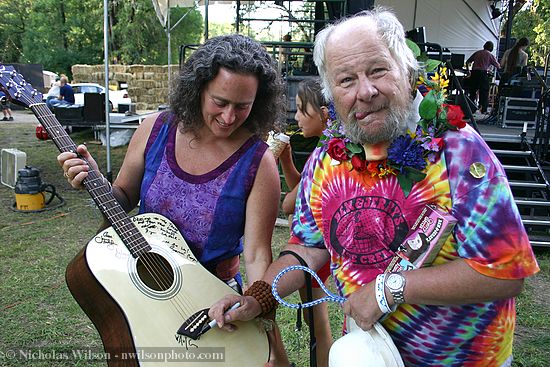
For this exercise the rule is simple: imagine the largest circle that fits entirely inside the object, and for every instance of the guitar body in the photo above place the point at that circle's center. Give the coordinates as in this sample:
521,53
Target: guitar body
133,312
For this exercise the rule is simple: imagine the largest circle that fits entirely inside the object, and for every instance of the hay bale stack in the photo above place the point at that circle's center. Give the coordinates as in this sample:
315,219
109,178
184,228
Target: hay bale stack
147,84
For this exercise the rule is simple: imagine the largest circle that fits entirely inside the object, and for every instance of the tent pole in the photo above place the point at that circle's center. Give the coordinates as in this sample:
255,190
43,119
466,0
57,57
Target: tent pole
238,17
415,9
106,56
509,24
206,4
169,48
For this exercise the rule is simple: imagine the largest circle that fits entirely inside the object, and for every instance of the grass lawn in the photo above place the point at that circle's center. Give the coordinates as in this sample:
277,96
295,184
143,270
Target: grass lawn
37,311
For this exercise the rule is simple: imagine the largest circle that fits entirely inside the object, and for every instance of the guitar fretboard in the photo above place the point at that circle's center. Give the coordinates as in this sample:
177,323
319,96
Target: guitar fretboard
95,185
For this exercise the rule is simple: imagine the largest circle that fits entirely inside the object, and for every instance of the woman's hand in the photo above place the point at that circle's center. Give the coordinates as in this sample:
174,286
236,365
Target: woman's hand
76,169
248,310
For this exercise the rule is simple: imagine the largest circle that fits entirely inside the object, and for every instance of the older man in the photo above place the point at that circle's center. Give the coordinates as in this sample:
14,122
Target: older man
460,310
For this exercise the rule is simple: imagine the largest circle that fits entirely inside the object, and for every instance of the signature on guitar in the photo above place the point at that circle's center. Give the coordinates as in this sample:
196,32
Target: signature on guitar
185,341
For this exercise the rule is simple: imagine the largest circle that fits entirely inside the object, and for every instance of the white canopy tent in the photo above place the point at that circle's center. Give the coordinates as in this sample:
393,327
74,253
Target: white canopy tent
462,26
162,8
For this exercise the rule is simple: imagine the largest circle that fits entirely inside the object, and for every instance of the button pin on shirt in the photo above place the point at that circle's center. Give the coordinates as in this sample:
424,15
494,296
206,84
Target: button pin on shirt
478,170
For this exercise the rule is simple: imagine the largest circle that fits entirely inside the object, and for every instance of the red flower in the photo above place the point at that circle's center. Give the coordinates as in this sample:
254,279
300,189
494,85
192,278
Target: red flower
455,116
358,164
337,149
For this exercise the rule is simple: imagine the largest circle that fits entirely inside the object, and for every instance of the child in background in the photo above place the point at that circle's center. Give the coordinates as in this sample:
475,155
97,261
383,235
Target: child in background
6,110
311,114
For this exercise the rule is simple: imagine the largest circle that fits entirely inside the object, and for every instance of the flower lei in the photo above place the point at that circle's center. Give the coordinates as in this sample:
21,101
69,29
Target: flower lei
408,154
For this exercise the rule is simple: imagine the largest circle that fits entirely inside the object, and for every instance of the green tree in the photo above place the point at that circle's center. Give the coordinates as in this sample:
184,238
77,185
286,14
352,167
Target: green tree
219,29
13,25
139,37
533,22
61,33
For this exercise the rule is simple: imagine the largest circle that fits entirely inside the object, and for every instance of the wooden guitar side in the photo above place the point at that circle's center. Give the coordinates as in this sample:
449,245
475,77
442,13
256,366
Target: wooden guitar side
102,310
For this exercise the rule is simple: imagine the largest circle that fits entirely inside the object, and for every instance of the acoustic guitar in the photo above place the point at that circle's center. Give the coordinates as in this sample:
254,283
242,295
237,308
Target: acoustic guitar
139,282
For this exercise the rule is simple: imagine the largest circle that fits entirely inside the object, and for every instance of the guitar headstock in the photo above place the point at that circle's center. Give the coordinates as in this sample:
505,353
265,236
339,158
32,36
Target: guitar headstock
16,88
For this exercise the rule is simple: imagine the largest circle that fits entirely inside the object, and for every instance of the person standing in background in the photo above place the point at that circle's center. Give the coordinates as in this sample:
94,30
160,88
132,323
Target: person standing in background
514,59
6,110
480,79
312,114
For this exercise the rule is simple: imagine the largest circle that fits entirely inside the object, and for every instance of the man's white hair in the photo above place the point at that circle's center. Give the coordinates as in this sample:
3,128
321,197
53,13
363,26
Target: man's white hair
389,30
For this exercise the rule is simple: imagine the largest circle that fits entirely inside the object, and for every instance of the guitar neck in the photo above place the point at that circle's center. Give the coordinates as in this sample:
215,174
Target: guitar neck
95,185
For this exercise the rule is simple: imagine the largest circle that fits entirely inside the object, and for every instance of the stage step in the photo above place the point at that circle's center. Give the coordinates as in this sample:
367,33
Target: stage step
539,241
520,168
496,138
527,185
519,153
532,220
532,202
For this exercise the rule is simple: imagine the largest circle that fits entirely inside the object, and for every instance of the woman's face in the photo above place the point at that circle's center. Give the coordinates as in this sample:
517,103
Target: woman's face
312,123
227,100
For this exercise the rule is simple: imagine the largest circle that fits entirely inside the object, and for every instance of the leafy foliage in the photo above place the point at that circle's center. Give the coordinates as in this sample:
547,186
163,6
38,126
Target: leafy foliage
533,22
137,22
59,34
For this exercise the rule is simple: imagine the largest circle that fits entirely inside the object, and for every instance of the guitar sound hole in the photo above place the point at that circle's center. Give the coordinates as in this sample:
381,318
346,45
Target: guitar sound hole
155,271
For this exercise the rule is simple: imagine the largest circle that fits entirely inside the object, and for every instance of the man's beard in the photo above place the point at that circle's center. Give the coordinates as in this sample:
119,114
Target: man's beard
395,124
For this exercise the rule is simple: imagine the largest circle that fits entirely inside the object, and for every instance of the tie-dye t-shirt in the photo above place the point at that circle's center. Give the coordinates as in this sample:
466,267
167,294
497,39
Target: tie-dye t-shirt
360,218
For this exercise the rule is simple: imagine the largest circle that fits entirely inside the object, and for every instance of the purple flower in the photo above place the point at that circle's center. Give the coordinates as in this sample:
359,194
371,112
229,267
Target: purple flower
432,157
331,111
406,152
431,145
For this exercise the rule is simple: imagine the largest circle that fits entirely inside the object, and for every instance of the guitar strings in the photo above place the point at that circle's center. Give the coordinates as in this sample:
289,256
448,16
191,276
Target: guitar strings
157,269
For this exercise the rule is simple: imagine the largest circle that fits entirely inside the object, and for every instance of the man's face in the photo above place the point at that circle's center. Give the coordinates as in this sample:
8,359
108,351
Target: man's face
371,94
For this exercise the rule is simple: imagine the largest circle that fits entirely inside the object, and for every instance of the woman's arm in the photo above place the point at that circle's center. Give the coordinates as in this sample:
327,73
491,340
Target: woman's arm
261,211
127,185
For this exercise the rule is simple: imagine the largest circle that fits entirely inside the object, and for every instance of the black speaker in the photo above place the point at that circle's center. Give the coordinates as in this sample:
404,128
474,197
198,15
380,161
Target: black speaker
94,107
69,115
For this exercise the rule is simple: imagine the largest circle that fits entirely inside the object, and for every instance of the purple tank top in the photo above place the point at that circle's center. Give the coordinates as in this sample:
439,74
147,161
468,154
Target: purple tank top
208,209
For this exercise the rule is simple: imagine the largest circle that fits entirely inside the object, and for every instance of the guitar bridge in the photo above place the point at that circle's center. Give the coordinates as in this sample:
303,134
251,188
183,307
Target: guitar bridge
196,325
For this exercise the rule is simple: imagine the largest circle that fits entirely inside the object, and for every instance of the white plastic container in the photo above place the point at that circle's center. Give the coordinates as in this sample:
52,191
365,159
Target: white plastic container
12,160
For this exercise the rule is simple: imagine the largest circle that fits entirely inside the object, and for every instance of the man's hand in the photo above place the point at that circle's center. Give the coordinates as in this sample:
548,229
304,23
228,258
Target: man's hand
249,309
362,307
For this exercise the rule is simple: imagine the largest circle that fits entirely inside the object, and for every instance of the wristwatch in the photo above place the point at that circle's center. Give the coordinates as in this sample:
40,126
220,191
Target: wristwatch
395,282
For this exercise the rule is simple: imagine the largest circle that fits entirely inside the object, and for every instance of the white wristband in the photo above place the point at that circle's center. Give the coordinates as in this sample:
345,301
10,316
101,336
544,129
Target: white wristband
381,294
